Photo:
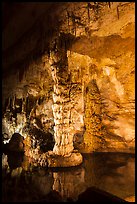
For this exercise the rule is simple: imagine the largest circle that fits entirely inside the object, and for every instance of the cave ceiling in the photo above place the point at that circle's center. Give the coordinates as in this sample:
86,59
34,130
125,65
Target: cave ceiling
22,20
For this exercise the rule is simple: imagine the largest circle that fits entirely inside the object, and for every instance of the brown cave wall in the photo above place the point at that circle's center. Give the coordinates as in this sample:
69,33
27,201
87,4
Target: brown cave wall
108,112
28,110
104,63
99,80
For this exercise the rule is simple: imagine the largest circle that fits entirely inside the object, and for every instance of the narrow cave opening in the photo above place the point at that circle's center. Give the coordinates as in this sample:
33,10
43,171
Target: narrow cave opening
68,102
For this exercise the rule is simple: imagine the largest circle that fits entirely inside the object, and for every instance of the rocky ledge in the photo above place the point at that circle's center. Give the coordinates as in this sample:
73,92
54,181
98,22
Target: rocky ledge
73,159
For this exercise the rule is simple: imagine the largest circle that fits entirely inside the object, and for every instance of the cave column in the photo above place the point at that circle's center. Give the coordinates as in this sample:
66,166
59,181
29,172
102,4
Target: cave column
63,131
63,154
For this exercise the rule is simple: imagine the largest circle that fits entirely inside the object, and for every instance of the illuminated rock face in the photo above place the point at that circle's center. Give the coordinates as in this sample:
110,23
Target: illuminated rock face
73,159
63,131
82,94
63,120
61,102
109,116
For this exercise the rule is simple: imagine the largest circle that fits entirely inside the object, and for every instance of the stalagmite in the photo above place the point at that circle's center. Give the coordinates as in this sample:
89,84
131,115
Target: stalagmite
61,111
63,129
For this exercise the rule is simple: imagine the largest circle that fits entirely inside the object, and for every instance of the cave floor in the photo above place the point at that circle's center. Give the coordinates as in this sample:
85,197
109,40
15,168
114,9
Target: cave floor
111,172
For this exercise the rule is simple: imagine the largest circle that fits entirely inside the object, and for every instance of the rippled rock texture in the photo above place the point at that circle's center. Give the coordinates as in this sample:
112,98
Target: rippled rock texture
77,90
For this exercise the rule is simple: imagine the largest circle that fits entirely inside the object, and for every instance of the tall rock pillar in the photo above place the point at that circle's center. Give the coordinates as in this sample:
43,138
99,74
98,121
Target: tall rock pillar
63,130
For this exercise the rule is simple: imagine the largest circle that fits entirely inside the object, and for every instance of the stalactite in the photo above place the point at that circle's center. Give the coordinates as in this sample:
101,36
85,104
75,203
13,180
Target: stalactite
83,94
33,110
24,104
88,7
68,16
15,99
118,12
8,105
27,107
15,109
21,105
74,22
11,104
109,4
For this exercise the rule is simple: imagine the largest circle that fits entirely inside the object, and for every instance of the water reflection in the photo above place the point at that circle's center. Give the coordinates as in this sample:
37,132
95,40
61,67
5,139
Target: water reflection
22,181
112,172
69,183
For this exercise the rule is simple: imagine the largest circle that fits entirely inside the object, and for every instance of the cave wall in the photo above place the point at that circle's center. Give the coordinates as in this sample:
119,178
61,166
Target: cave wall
99,78
109,83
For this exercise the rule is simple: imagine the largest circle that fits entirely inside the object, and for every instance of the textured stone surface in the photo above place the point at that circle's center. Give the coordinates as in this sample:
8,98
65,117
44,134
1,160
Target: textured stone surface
130,199
73,159
81,90
16,143
4,161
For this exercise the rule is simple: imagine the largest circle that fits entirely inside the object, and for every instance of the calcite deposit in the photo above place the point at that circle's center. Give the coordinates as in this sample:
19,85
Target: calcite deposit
69,82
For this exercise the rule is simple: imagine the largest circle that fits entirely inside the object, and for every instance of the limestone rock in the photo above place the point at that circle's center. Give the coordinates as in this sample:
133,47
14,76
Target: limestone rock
16,143
4,161
130,199
73,159
81,75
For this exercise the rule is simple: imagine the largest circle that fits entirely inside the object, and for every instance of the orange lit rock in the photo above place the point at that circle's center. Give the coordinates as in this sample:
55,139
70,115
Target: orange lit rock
81,86
73,159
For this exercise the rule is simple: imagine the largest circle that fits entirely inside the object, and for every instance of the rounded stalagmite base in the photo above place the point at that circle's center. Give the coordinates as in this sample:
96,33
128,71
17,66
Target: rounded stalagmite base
73,159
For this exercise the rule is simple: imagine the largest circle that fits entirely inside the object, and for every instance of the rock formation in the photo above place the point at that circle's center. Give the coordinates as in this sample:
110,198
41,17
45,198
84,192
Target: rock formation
68,83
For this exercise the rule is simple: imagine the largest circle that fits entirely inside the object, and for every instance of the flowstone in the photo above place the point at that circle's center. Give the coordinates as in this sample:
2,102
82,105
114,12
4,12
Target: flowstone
73,159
